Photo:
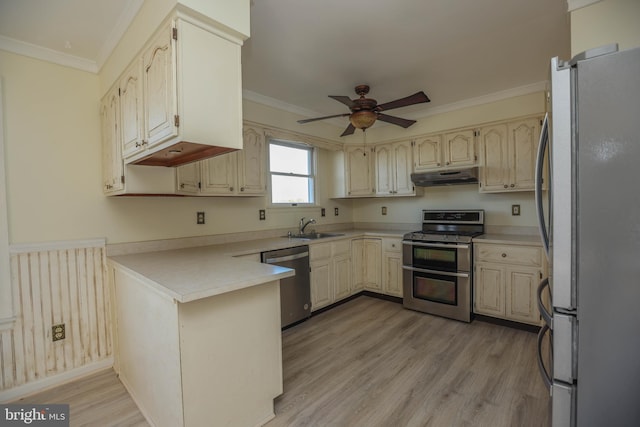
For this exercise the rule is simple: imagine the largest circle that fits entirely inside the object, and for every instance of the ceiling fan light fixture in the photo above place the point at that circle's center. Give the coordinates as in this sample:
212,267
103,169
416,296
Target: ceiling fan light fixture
363,119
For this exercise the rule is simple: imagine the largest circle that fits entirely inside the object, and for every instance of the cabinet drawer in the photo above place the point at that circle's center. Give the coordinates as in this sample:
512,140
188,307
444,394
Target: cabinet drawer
342,247
320,251
521,255
392,245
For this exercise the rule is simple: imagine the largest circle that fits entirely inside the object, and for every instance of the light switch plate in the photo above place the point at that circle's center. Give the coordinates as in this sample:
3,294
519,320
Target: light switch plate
515,210
200,218
262,215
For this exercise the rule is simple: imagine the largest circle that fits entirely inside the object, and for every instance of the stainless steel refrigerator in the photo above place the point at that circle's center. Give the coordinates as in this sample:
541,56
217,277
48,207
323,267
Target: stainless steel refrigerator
592,228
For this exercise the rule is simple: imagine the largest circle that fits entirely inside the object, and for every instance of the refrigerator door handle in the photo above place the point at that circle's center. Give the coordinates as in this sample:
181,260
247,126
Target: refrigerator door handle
546,376
542,147
544,312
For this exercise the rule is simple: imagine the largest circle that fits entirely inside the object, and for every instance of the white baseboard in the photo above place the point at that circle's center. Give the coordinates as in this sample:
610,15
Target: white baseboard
37,386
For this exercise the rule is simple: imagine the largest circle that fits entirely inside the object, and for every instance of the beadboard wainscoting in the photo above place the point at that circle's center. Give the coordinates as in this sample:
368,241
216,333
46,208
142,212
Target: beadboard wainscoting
55,283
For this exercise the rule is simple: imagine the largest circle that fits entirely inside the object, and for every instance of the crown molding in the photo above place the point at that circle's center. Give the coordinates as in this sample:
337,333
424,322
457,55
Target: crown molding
112,40
578,4
46,54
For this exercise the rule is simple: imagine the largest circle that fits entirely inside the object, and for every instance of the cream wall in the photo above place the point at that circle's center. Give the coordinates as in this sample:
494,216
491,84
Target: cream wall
608,21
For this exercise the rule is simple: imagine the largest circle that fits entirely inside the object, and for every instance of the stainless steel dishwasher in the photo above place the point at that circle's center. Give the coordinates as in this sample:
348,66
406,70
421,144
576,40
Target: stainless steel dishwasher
295,292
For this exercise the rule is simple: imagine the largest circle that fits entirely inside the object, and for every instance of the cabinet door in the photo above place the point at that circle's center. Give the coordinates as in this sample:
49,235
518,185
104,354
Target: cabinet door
524,139
494,158
252,163
342,277
131,111
357,265
459,149
521,286
427,153
489,295
219,175
321,278
188,178
358,167
392,274
372,274
159,78
385,170
112,165
402,155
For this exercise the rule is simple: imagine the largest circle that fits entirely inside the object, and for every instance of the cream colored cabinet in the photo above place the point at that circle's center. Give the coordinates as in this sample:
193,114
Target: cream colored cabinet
359,171
366,255
392,267
445,151
393,169
330,272
508,155
159,83
131,111
506,279
112,166
189,96
242,173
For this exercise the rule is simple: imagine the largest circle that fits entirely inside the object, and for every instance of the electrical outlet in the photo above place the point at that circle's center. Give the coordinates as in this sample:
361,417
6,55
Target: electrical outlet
515,210
262,214
384,210
57,332
200,218
335,211
323,212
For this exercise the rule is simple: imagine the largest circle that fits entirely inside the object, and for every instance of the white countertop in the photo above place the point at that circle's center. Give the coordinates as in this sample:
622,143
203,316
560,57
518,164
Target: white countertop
200,272
509,239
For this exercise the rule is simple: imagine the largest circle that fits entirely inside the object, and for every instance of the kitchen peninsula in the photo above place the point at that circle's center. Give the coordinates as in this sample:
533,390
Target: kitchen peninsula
197,336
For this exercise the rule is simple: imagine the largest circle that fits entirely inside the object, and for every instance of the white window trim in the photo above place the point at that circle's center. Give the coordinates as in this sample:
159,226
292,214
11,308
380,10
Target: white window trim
7,317
314,169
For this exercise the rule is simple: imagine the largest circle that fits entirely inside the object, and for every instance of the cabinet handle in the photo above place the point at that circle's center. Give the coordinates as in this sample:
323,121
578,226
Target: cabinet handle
513,185
506,186
504,255
448,163
182,185
145,141
138,144
230,188
438,163
241,188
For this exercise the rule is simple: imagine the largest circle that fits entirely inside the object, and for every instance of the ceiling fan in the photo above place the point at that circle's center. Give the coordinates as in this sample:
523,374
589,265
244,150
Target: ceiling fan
365,111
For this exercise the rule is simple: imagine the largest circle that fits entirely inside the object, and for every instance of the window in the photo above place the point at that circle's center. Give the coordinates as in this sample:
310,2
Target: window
291,172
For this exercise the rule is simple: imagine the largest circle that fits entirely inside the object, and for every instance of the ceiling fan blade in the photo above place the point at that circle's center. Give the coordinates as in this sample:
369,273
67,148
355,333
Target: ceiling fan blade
322,118
416,98
395,120
349,130
344,99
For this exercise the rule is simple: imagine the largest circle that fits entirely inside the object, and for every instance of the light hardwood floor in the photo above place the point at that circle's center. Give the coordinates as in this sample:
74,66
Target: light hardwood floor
369,362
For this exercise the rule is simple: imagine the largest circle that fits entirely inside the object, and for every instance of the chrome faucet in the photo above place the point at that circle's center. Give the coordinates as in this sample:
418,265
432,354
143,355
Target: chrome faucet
303,224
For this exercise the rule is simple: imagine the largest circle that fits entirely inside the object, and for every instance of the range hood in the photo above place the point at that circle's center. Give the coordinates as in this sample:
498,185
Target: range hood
446,177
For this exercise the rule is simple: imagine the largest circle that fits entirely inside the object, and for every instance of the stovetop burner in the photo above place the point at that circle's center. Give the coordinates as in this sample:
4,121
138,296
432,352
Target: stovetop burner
449,226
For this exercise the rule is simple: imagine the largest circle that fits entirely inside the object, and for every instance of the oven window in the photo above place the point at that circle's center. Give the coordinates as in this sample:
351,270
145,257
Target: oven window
442,290
440,258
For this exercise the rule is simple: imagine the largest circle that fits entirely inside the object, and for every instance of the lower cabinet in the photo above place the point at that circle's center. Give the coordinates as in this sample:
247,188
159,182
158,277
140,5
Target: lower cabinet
366,254
392,267
506,279
330,272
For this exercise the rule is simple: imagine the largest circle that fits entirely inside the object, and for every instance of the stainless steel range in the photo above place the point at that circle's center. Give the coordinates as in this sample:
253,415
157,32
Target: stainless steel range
438,263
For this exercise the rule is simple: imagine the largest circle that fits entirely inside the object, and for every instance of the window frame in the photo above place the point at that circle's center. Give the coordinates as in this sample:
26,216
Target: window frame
312,172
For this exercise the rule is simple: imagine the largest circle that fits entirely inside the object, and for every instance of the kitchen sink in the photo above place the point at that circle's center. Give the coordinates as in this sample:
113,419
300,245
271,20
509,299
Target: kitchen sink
314,235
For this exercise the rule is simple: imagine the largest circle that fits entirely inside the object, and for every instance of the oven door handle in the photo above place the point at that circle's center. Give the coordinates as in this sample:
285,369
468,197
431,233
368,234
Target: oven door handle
434,245
443,273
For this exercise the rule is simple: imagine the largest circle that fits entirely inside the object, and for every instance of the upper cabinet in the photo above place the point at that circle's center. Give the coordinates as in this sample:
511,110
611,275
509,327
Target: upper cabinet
445,151
131,112
393,169
359,171
508,155
242,173
112,167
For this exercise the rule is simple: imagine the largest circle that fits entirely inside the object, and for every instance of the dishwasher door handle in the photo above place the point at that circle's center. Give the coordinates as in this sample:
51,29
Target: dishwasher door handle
286,258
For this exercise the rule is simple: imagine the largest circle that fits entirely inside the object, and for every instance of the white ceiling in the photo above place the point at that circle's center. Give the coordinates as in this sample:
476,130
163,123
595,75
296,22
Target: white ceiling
300,51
